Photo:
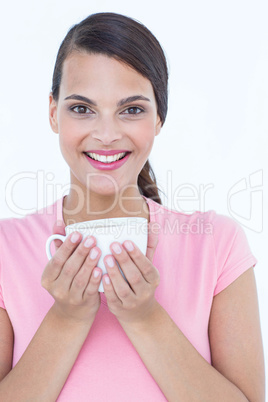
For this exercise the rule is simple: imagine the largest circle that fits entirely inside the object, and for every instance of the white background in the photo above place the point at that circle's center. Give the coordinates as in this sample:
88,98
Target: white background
215,136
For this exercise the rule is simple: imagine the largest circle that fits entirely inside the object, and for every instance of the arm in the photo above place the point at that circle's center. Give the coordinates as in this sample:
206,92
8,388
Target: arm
237,371
46,363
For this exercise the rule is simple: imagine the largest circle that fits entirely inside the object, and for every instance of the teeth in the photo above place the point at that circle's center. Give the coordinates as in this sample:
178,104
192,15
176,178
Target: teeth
106,159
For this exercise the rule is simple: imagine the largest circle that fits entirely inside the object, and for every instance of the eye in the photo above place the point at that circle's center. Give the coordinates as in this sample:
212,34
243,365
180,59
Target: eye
81,109
134,110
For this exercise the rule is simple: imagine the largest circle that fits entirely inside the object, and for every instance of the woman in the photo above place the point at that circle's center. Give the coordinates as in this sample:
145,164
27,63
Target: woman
186,327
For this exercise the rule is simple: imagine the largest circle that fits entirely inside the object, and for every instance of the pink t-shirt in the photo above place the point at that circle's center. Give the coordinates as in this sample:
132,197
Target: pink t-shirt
197,256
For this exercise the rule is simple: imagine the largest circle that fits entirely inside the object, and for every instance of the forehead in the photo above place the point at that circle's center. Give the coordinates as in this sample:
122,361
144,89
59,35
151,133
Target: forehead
100,73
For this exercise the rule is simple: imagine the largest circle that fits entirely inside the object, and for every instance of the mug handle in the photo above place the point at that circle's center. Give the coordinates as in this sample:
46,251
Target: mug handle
49,240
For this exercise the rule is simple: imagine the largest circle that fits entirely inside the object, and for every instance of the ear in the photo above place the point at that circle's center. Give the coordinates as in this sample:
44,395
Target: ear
158,126
53,120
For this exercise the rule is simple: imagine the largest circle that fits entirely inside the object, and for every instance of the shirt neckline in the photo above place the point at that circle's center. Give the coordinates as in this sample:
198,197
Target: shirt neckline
59,209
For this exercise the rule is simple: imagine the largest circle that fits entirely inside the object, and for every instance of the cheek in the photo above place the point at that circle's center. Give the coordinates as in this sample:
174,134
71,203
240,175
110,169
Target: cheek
144,135
70,132
68,138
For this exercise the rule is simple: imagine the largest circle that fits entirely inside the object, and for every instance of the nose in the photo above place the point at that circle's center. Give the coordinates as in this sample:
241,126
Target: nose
106,130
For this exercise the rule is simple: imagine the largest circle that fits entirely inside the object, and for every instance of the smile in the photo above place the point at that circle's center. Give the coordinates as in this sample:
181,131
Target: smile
110,162
106,159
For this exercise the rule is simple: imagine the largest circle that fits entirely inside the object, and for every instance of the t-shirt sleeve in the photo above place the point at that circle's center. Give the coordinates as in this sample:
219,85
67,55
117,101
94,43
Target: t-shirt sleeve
233,254
2,304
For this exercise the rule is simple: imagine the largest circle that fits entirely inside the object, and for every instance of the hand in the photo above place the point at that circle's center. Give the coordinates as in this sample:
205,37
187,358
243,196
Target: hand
133,301
69,278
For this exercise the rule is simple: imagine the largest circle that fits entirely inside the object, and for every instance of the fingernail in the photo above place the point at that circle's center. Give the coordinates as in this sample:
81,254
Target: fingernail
129,246
110,261
75,237
88,242
93,253
116,248
107,280
96,273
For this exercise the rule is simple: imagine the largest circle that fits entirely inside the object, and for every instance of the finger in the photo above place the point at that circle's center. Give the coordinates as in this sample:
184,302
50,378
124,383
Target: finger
58,228
136,281
120,285
113,300
55,265
86,282
86,274
147,269
153,237
76,261
93,284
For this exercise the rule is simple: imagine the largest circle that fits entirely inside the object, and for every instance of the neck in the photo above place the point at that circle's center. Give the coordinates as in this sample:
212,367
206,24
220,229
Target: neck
92,206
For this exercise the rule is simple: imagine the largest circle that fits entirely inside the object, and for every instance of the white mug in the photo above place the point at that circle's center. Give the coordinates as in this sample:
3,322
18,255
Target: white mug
106,231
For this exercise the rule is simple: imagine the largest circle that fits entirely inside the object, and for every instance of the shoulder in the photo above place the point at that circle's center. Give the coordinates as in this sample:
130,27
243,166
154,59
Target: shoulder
13,226
33,224
223,225
174,222
212,237
208,222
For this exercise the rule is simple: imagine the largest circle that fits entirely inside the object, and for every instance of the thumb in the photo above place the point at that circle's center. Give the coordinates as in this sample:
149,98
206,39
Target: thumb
153,237
58,228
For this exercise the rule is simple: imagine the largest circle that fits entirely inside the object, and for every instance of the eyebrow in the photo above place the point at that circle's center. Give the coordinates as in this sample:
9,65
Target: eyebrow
120,103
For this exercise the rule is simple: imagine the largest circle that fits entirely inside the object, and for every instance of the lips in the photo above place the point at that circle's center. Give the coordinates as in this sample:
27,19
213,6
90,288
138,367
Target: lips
107,166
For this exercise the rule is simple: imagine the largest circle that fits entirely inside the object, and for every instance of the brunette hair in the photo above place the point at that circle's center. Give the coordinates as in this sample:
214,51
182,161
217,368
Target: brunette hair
126,40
